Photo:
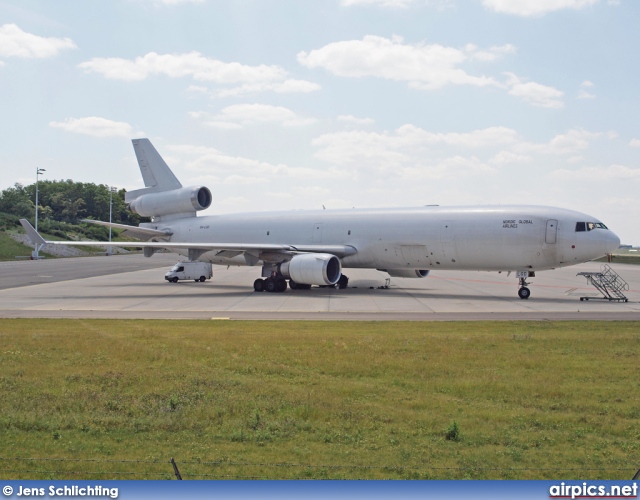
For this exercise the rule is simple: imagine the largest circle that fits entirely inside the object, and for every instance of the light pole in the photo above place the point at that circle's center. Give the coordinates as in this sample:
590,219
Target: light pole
111,190
39,171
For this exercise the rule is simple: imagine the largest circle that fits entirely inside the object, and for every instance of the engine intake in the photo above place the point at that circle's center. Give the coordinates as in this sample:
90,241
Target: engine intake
177,201
313,269
406,273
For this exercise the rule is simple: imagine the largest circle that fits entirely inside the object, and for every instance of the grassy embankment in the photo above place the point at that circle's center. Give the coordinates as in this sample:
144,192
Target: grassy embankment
9,248
531,400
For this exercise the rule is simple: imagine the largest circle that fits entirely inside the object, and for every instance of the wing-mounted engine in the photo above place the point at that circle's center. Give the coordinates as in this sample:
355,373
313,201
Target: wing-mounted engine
406,273
313,269
182,202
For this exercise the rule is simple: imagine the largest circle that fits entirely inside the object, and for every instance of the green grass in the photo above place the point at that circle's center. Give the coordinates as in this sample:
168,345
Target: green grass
335,399
10,248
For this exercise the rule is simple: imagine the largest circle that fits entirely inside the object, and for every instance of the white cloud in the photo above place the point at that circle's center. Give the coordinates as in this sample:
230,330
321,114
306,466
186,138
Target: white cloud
492,53
355,120
95,127
236,169
243,79
634,143
192,64
404,145
570,143
508,158
17,43
599,174
535,7
583,92
241,115
534,93
412,153
423,66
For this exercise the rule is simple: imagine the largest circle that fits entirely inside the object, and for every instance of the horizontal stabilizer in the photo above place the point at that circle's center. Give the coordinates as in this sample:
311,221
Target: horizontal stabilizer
144,233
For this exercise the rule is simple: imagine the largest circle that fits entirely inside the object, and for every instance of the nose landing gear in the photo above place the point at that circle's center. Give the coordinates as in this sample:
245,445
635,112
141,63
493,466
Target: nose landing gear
523,291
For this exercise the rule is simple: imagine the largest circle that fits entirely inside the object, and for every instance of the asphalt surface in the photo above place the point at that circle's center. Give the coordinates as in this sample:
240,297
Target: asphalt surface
132,286
27,272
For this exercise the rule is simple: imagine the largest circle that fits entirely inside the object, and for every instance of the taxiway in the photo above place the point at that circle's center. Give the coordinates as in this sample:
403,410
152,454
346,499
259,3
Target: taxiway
131,286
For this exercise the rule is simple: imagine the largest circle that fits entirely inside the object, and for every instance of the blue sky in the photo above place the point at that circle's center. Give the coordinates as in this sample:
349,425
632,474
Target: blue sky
278,105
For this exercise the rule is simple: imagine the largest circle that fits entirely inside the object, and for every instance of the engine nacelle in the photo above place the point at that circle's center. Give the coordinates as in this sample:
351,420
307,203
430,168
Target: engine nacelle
406,273
177,201
313,269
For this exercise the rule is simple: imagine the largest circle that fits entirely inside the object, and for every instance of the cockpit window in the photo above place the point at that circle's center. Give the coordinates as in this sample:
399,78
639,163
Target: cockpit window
589,226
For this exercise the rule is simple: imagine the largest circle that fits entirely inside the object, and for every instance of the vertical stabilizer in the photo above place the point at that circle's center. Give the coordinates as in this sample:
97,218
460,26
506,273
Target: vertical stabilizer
156,174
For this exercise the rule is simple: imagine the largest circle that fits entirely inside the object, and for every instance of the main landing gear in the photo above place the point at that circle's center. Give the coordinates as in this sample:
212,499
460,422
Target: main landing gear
278,284
272,284
523,291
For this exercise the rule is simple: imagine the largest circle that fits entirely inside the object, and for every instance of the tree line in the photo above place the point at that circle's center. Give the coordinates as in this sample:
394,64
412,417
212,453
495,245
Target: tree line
65,202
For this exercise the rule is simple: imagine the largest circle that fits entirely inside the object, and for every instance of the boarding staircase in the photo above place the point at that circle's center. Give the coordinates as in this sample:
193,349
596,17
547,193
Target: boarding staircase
608,282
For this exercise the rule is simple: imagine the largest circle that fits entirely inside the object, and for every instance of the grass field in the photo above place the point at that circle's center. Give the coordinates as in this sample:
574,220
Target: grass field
103,399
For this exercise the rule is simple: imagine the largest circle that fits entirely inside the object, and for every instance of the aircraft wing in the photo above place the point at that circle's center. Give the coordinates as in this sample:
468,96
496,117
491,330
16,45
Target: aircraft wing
337,250
144,233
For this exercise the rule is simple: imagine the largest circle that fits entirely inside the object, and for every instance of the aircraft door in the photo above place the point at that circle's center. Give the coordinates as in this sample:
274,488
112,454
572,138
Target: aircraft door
552,231
447,243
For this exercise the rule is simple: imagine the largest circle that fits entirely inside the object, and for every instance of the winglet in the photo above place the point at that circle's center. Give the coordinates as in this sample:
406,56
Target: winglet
35,238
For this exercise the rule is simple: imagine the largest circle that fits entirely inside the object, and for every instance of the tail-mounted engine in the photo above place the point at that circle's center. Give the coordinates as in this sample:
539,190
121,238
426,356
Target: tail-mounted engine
313,269
186,200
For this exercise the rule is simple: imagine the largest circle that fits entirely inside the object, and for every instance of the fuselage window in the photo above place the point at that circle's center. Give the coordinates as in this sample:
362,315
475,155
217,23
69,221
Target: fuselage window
580,226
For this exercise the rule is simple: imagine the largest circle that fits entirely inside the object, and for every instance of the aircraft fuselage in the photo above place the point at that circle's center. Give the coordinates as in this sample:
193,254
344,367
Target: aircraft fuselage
484,238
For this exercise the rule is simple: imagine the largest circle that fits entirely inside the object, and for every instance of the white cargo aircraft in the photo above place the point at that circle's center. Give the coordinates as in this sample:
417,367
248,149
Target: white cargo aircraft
313,247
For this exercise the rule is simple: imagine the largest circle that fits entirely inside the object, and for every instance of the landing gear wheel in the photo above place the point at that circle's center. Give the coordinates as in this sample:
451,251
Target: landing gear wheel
258,285
281,284
202,279
270,285
293,285
343,282
524,293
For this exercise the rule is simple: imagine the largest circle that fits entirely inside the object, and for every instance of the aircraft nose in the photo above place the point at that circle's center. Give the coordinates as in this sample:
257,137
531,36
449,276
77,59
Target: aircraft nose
612,242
